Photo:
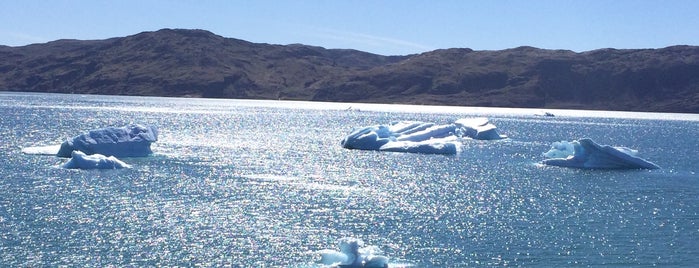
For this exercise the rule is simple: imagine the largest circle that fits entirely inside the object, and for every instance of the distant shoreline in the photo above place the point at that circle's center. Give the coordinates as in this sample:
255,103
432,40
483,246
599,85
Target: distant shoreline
198,63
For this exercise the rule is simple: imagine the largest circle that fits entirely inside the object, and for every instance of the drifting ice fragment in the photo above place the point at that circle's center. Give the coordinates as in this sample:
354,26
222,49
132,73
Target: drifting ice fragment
128,141
80,160
479,128
353,255
585,153
420,137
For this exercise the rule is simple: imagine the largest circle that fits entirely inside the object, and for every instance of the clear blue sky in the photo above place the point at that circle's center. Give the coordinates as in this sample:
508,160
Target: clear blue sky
384,27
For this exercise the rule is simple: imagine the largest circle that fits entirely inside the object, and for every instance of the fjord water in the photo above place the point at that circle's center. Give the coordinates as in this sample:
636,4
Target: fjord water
266,183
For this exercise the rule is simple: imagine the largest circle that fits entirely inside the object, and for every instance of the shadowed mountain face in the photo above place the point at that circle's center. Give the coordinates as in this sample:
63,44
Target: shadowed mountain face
197,63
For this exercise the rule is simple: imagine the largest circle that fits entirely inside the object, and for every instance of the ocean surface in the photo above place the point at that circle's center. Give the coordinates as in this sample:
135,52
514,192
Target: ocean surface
246,183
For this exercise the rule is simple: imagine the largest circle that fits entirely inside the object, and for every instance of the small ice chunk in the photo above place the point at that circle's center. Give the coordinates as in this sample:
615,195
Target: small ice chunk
80,160
479,129
352,254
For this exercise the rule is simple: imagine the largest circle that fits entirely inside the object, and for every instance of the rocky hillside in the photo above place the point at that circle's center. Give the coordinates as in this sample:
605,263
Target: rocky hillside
197,63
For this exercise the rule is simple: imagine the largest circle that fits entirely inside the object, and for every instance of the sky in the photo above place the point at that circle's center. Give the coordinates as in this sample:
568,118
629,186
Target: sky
386,27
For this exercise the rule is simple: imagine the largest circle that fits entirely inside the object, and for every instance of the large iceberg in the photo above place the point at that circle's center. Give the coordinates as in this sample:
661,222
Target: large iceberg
352,254
585,153
420,137
80,160
128,141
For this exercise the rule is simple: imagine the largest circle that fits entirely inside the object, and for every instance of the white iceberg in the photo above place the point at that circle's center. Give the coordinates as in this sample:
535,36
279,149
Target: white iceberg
420,137
352,254
585,153
80,160
128,141
479,129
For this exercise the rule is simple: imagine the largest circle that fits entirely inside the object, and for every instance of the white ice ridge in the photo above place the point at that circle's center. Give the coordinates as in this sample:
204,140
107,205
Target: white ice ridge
420,137
128,141
585,153
80,160
353,254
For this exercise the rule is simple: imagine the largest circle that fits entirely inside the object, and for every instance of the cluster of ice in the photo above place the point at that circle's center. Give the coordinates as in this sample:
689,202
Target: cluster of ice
353,254
420,137
585,153
80,160
128,141
99,148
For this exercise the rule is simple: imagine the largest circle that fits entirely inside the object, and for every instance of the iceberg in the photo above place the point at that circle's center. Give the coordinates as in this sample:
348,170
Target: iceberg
128,141
479,129
352,254
585,153
80,160
420,137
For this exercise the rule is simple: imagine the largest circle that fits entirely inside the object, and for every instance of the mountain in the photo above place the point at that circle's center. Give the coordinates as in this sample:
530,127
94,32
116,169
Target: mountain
198,63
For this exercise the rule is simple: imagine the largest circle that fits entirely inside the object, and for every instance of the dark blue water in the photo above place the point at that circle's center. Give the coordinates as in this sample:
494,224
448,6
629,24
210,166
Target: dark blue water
254,183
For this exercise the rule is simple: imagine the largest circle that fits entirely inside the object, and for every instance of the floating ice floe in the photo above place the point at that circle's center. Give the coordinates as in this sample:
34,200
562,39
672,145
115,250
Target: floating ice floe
478,128
352,254
128,141
420,137
585,153
80,160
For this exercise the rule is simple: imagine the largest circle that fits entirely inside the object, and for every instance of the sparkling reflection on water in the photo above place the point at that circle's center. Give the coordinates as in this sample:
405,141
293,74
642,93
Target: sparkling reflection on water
249,183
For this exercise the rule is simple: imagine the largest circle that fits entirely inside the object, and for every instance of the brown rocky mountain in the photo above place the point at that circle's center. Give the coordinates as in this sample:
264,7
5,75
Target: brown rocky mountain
197,63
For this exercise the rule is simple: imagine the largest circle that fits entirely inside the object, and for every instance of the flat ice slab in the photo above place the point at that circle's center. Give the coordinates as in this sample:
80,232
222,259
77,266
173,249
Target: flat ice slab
128,141
585,153
80,160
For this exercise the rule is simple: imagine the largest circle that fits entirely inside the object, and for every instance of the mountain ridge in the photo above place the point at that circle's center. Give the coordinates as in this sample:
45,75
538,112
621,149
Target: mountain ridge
198,63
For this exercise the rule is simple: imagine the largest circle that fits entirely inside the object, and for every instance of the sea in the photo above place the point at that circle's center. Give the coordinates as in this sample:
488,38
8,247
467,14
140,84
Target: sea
251,183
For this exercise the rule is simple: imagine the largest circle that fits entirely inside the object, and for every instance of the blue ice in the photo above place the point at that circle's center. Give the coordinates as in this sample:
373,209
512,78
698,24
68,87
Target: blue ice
585,153
420,137
128,141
